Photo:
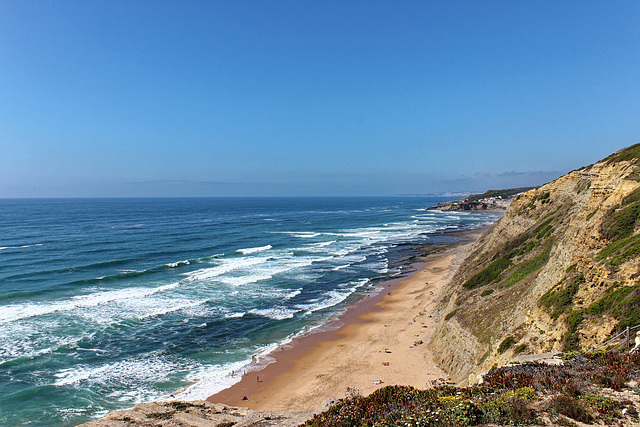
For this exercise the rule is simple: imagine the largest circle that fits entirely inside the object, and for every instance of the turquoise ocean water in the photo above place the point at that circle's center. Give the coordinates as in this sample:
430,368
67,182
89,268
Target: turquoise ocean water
105,303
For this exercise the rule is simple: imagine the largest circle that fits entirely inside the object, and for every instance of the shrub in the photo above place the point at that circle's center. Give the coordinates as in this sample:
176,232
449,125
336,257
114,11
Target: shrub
621,222
524,393
486,292
506,344
631,153
519,349
570,339
560,299
450,314
488,274
528,267
603,404
519,412
569,407
508,396
620,302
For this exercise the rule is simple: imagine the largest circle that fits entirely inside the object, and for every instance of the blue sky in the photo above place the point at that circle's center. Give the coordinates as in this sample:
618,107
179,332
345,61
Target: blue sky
248,98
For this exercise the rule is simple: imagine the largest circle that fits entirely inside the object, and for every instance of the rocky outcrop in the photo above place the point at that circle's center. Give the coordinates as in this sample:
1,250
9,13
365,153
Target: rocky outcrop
492,200
475,206
198,413
557,272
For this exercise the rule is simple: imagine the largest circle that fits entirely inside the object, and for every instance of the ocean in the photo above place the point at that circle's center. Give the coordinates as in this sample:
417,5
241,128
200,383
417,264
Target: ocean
105,303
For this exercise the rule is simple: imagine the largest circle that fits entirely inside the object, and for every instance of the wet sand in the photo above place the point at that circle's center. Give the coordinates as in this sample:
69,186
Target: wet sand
380,341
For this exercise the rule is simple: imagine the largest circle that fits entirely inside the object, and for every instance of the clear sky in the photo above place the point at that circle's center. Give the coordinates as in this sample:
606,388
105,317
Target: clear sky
301,97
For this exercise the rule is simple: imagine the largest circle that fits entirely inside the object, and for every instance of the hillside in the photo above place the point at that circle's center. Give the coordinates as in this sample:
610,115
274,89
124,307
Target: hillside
557,273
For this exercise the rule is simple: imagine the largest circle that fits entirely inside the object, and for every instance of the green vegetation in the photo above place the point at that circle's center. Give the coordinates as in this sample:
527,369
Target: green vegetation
618,302
531,393
560,297
520,246
486,292
506,193
543,198
570,340
631,154
529,267
560,300
620,251
545,229
620,223
525,393
569,407
450,314
602,404
506,344
520,348
489,274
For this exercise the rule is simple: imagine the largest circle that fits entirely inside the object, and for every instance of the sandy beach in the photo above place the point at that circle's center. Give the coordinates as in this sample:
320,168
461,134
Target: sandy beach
381,341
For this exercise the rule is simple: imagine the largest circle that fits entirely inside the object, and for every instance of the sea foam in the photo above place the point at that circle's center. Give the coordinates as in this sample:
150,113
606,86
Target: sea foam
15,312
249,251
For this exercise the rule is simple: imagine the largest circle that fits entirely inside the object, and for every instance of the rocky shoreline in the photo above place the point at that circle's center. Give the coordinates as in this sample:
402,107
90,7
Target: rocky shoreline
199,413
498,205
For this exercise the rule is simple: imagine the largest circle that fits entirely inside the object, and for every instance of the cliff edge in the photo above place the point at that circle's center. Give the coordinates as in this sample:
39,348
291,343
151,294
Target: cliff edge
558,272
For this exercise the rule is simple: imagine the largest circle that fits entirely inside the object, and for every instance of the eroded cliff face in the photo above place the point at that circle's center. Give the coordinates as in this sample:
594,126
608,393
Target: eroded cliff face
557,272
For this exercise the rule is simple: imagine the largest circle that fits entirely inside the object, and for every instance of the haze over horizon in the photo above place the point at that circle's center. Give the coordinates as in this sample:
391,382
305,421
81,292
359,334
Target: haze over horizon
317,98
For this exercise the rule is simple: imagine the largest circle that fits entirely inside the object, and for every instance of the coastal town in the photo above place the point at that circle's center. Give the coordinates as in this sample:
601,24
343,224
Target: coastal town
489,201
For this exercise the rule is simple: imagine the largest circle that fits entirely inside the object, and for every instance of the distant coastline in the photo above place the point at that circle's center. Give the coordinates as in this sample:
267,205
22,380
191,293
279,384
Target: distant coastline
489,201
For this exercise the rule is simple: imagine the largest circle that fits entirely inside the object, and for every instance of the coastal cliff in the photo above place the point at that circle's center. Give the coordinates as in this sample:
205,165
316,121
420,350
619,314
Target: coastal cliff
557,273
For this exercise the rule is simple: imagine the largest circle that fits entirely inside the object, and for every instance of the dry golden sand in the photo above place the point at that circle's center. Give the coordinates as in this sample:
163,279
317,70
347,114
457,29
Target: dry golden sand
353,357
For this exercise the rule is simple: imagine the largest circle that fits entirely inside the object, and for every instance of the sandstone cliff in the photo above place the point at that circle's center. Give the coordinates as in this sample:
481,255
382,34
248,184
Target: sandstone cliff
558,272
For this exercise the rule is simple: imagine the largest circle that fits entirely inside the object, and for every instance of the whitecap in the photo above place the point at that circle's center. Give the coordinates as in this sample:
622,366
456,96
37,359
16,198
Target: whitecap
178,264
20,247
15,312
323,244
302,234
332,298
235,315
248,251
275,313
265,271
210,380
225,266
133,377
